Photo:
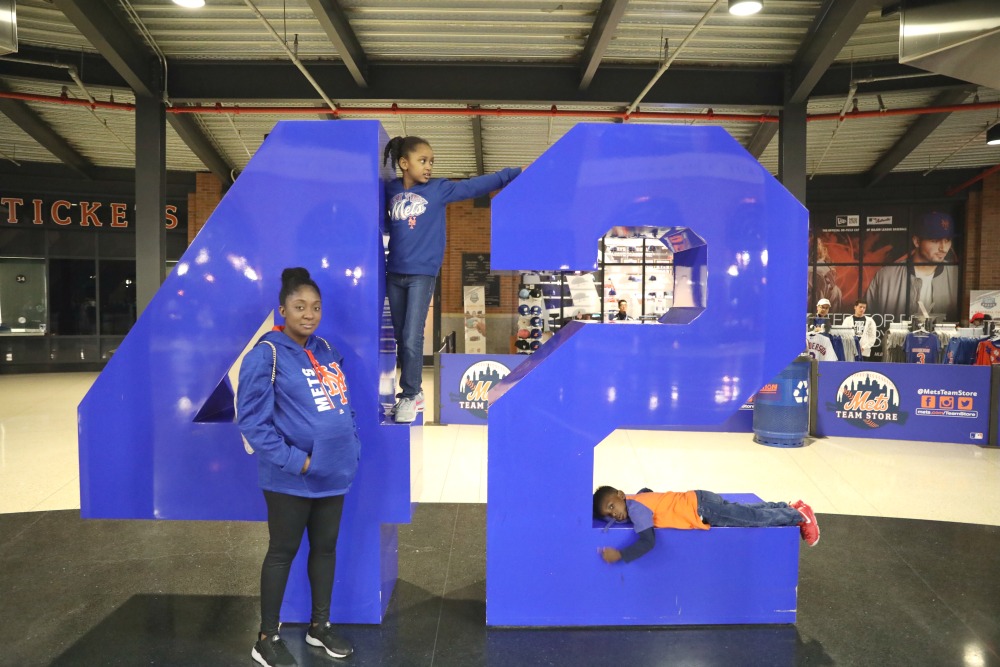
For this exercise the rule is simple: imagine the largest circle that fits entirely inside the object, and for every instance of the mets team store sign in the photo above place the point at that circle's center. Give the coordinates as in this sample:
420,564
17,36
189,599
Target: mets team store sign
938,403
466,380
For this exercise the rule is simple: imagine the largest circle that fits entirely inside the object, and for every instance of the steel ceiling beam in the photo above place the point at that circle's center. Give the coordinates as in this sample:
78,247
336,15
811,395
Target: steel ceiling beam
603,30
761,139
32,124
836,22
475,83
116,41
338,29
916,134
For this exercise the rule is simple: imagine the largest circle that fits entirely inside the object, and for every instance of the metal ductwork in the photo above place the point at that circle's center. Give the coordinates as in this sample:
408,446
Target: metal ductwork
8,27
957,38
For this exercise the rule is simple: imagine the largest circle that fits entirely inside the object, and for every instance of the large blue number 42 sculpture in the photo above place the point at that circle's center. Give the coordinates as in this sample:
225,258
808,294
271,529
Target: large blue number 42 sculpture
157,438
739,244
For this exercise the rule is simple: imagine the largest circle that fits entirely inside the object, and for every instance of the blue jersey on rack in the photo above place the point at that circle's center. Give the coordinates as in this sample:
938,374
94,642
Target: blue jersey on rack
961,351
921,348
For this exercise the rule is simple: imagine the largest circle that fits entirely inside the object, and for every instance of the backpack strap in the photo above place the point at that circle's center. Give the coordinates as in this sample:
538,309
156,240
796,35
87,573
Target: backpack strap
328,348
274,362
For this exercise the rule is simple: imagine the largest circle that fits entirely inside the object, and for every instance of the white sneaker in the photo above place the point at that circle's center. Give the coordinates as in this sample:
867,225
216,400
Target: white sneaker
420,405
406,411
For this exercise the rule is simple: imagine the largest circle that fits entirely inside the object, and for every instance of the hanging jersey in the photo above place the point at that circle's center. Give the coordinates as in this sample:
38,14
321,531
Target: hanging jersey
961,351
921,348
988,353
819,346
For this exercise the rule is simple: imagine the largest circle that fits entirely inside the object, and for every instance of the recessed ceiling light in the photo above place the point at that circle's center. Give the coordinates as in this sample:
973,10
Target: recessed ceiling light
195,4
738,7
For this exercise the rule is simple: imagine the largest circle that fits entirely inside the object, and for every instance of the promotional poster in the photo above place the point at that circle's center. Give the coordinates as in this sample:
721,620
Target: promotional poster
897,258
903,260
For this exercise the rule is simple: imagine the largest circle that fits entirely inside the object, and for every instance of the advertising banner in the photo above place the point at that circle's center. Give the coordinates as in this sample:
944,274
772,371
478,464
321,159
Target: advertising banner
937,403
475,319
465,384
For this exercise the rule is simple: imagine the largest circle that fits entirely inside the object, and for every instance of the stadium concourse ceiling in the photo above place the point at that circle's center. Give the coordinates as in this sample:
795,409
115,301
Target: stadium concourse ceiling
490,83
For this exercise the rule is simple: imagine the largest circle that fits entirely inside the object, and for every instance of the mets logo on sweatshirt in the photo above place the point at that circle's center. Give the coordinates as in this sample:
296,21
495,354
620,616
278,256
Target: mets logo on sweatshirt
868,400
329,385
407,206
474,387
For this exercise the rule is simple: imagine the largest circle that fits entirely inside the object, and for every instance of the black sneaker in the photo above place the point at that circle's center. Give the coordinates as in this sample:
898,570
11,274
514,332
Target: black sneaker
324,636
272,652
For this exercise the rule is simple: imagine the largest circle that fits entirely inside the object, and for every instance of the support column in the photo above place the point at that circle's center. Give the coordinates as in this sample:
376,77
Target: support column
792,149
150,198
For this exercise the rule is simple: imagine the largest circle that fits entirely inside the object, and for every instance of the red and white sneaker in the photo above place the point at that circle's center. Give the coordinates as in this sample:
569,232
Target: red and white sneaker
809,528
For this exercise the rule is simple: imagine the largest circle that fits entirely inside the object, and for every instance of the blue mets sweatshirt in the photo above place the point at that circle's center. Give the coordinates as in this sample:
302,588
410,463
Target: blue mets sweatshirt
306,410
417,222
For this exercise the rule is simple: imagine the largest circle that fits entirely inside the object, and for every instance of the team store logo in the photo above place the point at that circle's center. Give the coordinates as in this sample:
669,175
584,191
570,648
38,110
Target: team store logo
868,400
474,388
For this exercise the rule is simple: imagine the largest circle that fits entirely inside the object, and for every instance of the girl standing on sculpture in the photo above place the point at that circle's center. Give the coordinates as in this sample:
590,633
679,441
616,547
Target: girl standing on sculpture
416,223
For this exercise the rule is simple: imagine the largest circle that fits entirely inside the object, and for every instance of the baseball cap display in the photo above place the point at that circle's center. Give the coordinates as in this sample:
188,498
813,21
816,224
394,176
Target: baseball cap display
523,345
522,333
935,225
535,322
523,309
822,302
978,317
535,310
536,293
534,345
536,333
524,293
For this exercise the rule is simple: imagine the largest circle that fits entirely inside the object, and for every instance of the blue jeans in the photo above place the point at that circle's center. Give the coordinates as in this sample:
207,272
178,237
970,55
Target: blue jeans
409,299
717,511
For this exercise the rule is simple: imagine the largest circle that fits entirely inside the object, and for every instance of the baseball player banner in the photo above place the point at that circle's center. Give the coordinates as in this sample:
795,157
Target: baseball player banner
937,403
465,383
897,258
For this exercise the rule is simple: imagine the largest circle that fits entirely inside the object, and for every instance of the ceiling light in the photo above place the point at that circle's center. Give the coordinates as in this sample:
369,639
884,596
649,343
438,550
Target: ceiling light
993,136
190,4
738,7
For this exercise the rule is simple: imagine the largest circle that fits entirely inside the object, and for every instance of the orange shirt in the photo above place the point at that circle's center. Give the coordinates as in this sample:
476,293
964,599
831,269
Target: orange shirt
672,509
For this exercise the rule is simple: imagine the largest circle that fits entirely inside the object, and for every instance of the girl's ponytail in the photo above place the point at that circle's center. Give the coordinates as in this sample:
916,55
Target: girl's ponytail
400,147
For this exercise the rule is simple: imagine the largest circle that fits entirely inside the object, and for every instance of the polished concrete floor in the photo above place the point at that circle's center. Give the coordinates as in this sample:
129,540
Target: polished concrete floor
907,572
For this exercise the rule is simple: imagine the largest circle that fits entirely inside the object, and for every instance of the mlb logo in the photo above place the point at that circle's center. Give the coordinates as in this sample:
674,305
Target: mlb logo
927,401
976,436
964,402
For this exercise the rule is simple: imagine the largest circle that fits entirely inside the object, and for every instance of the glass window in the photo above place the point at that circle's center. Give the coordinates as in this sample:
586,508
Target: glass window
118,302
73,302
22,296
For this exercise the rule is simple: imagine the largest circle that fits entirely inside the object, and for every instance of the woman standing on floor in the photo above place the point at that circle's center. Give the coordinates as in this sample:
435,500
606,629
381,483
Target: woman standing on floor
295,412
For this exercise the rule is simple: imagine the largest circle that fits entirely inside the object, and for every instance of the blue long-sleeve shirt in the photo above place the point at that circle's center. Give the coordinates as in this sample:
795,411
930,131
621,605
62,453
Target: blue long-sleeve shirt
417,218
304,411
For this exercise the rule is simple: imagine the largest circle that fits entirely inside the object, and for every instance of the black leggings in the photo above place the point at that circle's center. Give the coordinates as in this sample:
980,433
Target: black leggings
287,518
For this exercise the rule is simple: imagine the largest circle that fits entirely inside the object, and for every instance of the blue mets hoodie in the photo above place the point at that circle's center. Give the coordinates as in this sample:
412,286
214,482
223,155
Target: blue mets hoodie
305,410
417,222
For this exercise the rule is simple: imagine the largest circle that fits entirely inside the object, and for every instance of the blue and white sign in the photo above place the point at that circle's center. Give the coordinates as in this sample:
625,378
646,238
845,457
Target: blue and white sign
465,384
934,402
